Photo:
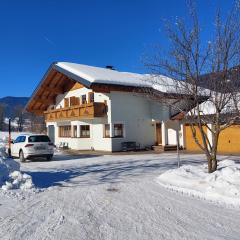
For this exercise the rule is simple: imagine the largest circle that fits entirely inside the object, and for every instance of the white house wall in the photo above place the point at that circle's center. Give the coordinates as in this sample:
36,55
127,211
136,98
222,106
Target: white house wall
135,113
171,128
159,112
96,140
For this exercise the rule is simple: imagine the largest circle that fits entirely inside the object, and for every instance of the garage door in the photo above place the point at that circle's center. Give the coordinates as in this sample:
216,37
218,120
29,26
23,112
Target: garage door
189,140
229,140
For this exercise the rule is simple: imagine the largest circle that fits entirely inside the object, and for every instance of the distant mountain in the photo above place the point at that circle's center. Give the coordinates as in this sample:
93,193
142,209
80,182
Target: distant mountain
11,103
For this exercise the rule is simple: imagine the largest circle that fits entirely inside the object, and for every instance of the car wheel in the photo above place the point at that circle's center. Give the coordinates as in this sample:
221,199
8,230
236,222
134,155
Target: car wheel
21,156
49,158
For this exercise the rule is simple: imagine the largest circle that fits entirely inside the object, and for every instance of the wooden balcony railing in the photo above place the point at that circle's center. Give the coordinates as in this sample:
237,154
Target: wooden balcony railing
84,111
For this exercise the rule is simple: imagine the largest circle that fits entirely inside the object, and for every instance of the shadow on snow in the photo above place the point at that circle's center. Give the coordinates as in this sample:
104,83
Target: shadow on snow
106,172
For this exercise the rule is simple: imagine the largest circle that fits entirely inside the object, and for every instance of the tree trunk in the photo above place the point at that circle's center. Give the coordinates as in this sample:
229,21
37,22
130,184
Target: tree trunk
209,164
212,164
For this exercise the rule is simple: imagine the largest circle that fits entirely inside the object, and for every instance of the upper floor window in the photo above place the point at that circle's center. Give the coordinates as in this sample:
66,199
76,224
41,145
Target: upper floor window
118,130
74,101
85,131
66,102
90,97
84,99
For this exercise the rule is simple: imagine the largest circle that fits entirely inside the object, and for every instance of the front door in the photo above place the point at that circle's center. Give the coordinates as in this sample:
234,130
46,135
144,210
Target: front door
158,133
51,133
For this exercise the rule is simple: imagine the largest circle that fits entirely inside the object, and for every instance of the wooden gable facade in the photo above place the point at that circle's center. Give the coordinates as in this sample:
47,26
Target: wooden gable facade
45,95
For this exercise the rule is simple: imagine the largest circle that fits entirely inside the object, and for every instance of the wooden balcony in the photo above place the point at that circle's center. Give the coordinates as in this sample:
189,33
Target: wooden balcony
84,111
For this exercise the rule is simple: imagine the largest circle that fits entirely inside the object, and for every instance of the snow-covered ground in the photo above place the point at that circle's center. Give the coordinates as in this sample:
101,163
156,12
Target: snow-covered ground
222,186
111,197
10,175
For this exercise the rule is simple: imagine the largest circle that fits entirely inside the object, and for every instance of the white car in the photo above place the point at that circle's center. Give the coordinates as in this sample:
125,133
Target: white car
28,146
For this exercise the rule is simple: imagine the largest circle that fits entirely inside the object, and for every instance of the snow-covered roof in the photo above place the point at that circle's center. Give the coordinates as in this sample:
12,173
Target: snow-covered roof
90,74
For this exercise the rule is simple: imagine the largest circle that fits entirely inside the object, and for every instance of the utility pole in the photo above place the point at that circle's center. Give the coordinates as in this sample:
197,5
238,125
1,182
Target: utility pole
178,144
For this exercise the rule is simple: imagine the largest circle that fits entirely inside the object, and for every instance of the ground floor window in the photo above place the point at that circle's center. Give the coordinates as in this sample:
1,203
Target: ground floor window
74,135
85,131
118,130
65,131
106,132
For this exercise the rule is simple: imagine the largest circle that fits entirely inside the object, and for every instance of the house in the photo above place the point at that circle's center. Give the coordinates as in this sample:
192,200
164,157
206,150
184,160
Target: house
92,108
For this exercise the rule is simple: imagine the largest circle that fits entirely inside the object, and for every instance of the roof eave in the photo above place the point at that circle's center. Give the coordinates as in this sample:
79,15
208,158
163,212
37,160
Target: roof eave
39,85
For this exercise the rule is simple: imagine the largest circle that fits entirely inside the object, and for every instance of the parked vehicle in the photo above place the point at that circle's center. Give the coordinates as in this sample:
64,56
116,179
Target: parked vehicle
29,146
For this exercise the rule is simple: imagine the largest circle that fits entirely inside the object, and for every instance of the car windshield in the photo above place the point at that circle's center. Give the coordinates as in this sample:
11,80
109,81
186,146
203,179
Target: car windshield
39,138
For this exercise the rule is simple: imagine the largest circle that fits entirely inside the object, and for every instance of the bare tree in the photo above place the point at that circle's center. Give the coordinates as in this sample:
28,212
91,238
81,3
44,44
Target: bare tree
35,124
2,117
202,71
18,115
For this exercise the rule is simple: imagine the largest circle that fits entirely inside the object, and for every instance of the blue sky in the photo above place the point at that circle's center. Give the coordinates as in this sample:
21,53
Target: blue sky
95,32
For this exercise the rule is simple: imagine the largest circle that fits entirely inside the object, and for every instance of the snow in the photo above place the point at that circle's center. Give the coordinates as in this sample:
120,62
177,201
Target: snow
14,122
108,76
222,186
91,74
10,175
103,75
111,197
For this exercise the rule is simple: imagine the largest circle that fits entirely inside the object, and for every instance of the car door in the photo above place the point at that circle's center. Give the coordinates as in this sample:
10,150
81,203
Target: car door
21,144
15,146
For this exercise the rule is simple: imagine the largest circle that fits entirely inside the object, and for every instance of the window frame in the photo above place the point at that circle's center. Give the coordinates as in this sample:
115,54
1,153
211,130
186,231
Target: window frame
74,130
84,96
91,97
81,130
104,131
122,130
74,101
61,133
66,103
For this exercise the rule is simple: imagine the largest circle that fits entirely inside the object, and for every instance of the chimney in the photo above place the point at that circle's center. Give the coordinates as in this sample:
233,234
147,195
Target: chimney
110,67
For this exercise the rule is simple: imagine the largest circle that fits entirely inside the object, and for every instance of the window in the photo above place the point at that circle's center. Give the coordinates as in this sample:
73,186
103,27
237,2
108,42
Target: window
66,102
84,99
20,139
39,138
17,140
118,130
91,97
74,101
85,131
106,133
65,131
74,131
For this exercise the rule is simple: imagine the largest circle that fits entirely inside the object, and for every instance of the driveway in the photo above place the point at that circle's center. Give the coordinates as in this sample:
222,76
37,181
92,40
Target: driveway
111,197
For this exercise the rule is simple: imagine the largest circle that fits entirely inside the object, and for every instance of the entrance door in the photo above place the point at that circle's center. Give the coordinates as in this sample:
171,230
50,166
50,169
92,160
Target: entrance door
158,133
51,133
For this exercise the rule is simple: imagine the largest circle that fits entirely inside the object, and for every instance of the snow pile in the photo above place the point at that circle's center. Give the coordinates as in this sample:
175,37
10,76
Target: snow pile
18,180
10,175
222,186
